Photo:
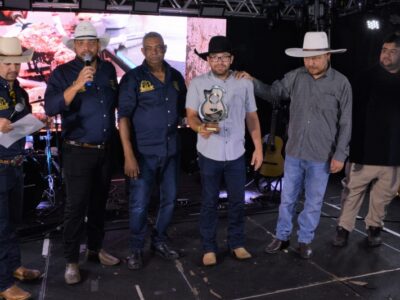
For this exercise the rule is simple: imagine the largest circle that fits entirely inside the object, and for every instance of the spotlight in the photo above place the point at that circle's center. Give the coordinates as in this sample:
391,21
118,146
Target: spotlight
373,24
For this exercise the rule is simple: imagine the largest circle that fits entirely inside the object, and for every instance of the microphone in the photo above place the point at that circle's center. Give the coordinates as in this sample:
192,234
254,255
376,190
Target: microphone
17,109
87,58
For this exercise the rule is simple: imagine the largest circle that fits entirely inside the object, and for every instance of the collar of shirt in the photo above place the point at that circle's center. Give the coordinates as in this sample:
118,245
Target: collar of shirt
5,84
167,68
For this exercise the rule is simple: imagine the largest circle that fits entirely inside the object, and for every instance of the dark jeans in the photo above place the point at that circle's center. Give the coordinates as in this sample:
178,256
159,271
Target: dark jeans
152,168
11,189
234,174
87,178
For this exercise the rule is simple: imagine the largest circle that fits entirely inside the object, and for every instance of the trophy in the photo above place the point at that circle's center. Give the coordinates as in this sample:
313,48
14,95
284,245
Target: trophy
213,109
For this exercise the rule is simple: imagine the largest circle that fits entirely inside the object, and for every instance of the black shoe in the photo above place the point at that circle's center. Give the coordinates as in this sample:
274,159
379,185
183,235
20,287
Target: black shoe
276,245
164,251
135,260
341,237
374,236
305,250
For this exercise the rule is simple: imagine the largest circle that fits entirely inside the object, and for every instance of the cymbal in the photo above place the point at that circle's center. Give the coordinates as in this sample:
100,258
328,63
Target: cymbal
37,101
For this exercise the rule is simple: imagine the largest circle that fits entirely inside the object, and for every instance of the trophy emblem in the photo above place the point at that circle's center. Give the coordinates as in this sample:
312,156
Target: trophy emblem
213,110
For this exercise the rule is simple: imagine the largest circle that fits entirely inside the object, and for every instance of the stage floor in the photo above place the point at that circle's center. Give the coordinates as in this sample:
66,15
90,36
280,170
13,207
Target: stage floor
353,272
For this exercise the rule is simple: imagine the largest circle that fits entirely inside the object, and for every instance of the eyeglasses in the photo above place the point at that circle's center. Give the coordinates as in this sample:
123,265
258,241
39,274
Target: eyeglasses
223,58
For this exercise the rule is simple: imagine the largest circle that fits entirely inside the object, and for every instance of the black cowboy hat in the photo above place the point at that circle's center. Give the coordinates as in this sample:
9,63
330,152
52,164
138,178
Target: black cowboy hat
217,44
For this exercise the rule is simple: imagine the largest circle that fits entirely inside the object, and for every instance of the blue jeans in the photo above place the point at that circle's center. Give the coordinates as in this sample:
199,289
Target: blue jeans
234,173
11,189
151,168
314,177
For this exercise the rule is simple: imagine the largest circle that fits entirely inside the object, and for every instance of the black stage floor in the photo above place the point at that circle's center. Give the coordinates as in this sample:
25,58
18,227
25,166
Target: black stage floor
354,272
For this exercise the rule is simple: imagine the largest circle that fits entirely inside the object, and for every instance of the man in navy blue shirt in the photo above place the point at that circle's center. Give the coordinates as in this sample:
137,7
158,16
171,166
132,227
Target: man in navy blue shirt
151,100
84,92
11,174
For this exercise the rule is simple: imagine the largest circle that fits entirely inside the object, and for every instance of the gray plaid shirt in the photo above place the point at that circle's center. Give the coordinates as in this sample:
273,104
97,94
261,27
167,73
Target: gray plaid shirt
320,113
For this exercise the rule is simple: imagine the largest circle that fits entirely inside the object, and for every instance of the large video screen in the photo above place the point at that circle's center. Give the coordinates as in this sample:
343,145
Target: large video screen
43,31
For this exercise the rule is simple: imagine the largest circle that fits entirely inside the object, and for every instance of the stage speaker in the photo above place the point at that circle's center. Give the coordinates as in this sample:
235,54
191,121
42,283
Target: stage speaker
94,5
17,4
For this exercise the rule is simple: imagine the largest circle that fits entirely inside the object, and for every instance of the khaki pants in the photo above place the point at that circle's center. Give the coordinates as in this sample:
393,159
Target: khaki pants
384,182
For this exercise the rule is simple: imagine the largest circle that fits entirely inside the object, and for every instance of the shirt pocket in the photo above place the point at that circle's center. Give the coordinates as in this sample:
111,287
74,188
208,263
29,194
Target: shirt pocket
328,102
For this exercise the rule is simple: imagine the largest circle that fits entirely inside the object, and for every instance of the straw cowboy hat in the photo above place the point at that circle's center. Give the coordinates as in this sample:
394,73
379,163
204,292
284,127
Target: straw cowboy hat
11,51
86,31
217,44
315,43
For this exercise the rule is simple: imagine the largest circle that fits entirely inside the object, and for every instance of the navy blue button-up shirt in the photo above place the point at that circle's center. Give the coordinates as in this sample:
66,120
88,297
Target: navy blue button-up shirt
90,118
7,105
154,108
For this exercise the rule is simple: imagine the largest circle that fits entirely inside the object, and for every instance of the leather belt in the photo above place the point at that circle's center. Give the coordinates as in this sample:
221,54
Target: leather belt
85,145
14,162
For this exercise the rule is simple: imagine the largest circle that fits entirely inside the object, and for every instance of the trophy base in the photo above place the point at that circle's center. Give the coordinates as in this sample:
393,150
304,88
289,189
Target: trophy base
211,127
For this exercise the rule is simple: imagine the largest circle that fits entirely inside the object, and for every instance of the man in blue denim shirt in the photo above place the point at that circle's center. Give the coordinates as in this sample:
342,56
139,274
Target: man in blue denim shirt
84,92
11,173
151,100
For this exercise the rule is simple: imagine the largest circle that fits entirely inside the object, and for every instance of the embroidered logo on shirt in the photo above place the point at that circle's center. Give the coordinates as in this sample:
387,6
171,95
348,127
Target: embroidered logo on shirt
146,86
3,104
176,85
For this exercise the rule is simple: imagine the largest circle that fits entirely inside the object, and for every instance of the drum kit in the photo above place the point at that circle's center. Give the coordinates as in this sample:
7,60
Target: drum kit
42,171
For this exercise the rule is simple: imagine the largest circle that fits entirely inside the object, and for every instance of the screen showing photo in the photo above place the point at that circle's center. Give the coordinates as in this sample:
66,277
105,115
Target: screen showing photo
43,32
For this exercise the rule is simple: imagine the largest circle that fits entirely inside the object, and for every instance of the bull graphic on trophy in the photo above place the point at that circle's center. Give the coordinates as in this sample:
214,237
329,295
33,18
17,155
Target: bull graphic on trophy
213,110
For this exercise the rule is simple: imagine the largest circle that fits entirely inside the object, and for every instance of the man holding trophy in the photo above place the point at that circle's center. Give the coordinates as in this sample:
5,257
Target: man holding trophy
218,106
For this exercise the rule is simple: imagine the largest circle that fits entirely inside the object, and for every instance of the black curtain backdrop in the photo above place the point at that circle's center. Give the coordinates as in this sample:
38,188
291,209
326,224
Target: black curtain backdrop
259,48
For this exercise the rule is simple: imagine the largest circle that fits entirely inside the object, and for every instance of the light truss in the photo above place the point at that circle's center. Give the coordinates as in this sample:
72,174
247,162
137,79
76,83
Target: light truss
283,9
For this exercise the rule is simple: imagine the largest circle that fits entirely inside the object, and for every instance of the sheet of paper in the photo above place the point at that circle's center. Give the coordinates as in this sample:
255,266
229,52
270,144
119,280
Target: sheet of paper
21,128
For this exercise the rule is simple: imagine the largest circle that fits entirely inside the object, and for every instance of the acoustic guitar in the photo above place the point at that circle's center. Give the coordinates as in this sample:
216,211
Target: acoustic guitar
272,165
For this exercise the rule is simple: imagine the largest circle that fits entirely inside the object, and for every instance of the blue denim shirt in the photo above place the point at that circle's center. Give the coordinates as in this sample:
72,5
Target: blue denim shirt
154,108
90,118
228,143
7,106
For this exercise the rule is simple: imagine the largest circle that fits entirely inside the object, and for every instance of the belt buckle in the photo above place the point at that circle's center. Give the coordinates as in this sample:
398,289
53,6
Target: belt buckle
17,161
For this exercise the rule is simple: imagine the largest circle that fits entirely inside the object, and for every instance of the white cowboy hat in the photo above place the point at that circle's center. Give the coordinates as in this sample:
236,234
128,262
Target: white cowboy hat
11,51
86,31
315,43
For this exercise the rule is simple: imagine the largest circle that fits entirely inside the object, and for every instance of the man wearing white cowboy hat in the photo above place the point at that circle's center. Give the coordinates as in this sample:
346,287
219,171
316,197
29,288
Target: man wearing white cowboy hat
84,92
318,136
11,173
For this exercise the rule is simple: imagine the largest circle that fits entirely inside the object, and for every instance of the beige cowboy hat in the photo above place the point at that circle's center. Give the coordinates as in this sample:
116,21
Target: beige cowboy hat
11,51
315,43
86,31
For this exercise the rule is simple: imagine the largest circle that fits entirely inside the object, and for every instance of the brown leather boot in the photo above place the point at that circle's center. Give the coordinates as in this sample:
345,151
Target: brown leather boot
23,273
241,253
14,293
209,259
103,257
